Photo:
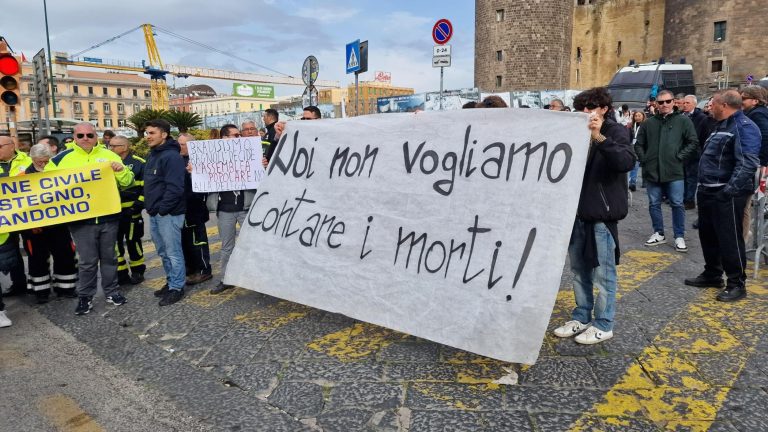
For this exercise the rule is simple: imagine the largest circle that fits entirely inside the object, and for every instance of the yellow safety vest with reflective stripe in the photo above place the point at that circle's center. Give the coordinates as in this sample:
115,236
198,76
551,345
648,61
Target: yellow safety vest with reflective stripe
16,166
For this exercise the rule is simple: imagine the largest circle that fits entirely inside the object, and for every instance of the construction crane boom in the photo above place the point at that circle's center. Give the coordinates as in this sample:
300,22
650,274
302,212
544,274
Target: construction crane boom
157,70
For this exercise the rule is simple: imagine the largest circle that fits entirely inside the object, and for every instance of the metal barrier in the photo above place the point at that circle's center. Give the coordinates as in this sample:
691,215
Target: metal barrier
758,244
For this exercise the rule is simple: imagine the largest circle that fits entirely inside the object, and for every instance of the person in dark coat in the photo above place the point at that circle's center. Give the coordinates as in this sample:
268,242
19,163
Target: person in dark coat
594,247
194,236
753,101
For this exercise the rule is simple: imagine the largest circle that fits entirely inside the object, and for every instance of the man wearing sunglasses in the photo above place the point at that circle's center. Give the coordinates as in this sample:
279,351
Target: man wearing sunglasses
94,238
664,142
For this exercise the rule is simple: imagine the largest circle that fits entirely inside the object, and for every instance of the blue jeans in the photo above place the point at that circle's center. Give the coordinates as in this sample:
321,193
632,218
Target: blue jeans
585,277
633,174
166,234
674,191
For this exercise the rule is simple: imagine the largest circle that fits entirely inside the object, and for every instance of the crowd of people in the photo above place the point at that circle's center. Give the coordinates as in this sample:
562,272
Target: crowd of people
66,259
707,160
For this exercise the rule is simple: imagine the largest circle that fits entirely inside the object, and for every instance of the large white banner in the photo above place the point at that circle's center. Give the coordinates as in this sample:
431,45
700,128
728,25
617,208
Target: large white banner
451,226
226,164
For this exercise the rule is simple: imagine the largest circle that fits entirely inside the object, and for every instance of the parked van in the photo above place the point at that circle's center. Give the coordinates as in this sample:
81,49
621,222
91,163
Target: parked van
633,85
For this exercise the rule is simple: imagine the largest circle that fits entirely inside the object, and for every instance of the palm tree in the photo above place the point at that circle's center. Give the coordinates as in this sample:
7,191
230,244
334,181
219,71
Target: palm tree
184,120
138,119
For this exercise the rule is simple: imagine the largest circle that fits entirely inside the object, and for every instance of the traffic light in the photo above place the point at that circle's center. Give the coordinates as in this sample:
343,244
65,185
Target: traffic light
10,78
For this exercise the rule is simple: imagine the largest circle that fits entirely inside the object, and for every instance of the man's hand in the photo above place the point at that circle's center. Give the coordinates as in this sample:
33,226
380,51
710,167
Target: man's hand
595,123
264,161
117,166
189,167
279,128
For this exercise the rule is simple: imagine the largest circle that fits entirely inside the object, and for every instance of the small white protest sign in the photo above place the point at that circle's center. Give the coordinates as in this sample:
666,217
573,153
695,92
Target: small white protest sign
226,164
451,226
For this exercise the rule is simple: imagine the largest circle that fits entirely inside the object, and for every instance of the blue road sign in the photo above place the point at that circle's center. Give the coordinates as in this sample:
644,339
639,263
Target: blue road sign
442,31
353,56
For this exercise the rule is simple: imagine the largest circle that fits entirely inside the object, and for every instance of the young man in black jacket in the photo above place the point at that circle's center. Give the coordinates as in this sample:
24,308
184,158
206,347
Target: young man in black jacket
165,203
594,247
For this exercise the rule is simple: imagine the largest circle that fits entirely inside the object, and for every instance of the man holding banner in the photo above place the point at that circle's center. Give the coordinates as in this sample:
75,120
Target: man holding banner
12,163
95,238
594,245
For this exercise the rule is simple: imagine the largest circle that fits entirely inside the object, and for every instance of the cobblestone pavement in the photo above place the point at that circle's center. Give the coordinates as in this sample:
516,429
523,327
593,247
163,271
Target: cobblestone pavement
245,361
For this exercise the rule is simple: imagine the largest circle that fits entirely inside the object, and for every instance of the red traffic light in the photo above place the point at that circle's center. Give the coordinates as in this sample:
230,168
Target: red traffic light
9,65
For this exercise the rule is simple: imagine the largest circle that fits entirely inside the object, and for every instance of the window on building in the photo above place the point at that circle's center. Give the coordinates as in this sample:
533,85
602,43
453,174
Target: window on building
237,106
717,66
136,108
498,80
75,89
77,107
119,92
104,91
79,119
135,93
146,106
147,93
31,87
33,106
121,123
57,107
578,54
108,123
499,15
499,55
720,31
91,107
618,48
120,108
55,88
578,76
107,108
90,91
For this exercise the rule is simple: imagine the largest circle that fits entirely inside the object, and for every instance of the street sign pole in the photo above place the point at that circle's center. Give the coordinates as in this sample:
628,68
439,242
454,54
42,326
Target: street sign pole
357,94
441,88
442,32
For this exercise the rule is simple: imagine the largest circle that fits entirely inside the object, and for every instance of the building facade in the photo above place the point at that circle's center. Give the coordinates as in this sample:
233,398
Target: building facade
370,91
519,45
228,105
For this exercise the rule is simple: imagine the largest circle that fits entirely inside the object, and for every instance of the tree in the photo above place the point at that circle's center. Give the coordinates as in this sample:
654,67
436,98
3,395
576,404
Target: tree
184,120
138,119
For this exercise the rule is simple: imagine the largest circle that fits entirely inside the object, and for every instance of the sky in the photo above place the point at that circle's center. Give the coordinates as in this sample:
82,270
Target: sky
276,34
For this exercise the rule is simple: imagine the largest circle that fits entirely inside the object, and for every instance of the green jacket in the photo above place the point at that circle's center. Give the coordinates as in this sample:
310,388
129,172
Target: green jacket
663,143
16,166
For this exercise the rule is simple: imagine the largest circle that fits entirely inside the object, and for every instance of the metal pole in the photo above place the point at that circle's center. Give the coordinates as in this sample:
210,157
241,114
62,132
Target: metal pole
441,88
50,62
357,93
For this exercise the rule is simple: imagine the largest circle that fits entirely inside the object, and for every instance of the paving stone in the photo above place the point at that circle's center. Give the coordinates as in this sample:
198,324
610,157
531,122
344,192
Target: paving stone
553,421
333,371
722,426
345,420
410,352
552,399
281,350
256,377
377,396
507,421
445,421
385,421
306,330
421,372
610,369
560,372
453,396
300,399
618,424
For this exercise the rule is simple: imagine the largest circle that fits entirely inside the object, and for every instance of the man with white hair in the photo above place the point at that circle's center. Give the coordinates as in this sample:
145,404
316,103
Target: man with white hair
94,238
702,125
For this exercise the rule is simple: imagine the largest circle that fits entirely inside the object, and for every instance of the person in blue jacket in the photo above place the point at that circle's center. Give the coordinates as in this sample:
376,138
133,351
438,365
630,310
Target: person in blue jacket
165,202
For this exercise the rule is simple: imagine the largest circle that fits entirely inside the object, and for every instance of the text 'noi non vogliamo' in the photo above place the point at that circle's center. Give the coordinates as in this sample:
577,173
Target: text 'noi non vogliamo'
58,196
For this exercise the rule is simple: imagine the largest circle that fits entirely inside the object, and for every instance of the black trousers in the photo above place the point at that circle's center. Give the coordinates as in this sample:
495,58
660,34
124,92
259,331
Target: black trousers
721,235
42,244
194,243
18,275
129,234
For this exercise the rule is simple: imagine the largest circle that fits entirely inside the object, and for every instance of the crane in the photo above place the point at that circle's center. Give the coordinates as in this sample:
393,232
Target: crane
157,71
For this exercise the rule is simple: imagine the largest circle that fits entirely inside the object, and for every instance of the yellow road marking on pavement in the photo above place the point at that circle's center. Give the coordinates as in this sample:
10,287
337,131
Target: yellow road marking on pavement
667,383
274,316
13,359
204,298
66,415
636,268
464,402
356,342
149,246
156,262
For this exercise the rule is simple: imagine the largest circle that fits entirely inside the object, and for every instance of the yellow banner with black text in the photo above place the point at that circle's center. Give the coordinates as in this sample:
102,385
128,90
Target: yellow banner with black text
54,197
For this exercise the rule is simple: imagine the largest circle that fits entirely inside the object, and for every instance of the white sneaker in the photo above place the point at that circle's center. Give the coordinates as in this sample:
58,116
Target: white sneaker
680,245
571,328
4,321
593,335
655,240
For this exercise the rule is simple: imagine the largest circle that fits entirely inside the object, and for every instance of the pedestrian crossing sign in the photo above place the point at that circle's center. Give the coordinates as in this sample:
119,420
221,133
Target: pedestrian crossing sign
353,56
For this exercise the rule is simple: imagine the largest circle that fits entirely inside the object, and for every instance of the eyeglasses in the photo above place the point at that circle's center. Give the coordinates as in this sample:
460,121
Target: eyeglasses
665,101
589,106
249,129
89,135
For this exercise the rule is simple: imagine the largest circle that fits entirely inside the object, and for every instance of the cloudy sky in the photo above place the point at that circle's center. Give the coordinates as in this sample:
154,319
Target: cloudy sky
275,34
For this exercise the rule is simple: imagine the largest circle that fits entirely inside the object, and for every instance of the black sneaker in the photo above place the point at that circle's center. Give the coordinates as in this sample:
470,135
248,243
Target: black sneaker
116,299
137,278
171,297
703,281
42,297
84,305
123,279
161,292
